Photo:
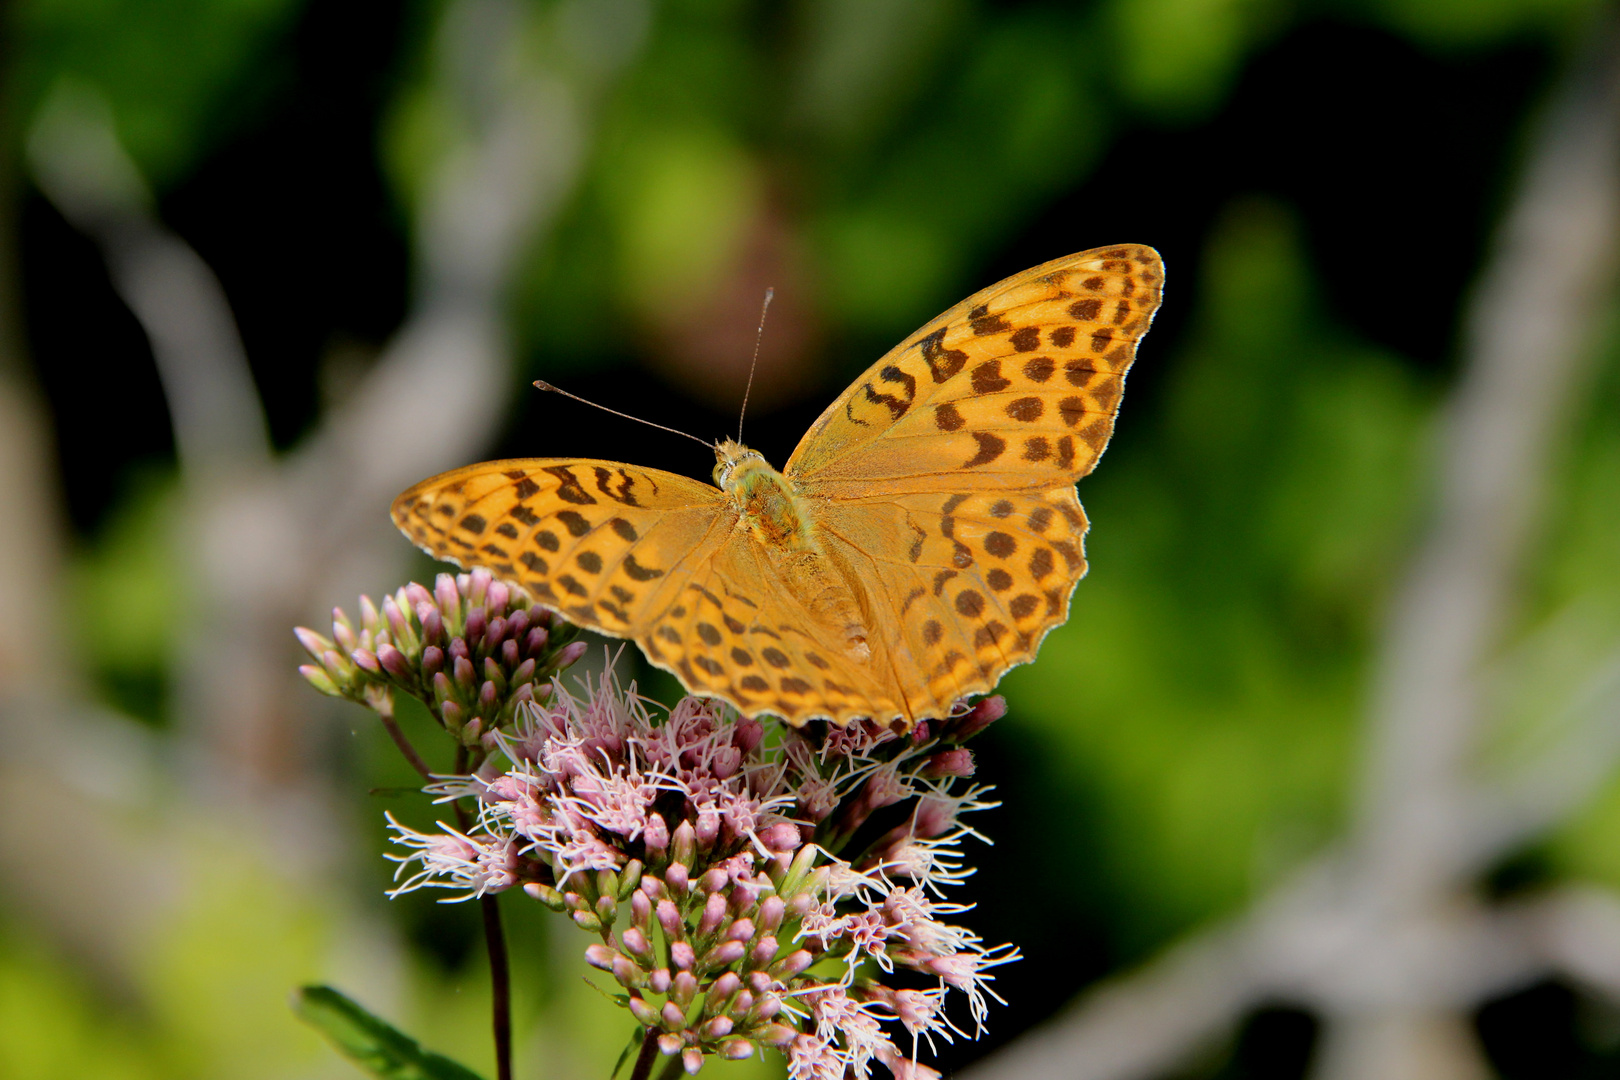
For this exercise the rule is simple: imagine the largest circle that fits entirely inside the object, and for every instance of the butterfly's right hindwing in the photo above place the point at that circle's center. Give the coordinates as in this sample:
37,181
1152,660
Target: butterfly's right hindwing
599,541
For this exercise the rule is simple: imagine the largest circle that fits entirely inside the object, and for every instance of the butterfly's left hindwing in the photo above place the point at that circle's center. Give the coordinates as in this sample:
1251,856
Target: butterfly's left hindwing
599,541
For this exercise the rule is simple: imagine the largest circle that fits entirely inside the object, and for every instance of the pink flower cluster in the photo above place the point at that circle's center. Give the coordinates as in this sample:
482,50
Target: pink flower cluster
473,649
716,868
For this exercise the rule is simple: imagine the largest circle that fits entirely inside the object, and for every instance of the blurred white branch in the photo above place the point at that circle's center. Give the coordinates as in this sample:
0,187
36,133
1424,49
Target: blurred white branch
79,164
1386,937
271,542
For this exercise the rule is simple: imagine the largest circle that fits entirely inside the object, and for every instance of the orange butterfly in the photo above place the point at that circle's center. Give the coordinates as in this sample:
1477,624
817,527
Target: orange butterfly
922,539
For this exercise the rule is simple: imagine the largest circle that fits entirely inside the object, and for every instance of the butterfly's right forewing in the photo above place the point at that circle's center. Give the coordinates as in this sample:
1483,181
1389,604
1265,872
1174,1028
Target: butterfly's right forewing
1013,389
603,543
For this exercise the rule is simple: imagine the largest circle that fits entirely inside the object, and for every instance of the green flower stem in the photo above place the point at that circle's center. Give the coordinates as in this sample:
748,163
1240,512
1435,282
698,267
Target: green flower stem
647,1055
500,985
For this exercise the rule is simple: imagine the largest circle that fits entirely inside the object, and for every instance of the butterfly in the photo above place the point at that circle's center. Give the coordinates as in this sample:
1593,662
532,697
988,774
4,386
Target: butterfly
922,539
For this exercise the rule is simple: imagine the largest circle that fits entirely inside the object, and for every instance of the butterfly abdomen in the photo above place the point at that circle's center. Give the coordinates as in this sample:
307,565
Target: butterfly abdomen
767,506
777,521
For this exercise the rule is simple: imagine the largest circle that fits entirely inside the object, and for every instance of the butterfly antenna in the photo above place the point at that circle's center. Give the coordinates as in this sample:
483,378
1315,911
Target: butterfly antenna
541,384
759,337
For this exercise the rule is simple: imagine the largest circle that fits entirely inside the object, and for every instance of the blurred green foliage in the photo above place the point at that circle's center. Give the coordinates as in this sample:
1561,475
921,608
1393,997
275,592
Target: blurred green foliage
1196,720
1205,689
178,74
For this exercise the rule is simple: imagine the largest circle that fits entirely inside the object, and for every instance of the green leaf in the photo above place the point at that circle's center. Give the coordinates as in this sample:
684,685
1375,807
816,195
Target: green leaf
371,1043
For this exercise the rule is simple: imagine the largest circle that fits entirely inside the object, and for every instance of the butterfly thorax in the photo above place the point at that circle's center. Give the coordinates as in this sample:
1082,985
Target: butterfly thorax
778,522
762,497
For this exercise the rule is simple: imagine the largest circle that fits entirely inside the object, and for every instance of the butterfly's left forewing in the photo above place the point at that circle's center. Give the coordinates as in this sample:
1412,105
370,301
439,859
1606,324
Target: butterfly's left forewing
601,542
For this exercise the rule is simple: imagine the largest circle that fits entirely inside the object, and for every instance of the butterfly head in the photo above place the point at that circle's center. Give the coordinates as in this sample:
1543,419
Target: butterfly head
730,456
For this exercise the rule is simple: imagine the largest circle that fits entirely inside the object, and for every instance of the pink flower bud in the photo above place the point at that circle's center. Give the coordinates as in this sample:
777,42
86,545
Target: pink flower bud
724,954
569,654
765,951
640,909
771,913
479,582
587,921
777,1035
747,734
744,897
691,1060
674,1019
535,641
783,836
659,981
651,887
444,592
741,930
432,624
718,1028
600,956
546,895
477,623
957,761
769,1005
416,594
312,642
683,843
497,597
369,618
737,1050
432,661
669,917
984,713
495,634
625,970
453,715
792,964
644,1013
715,880
365,658
343,631
319,679
670,1044
463,670
708,827
675,876
721,992
681,955
634,941
655,834
744,1002
801,904
397,623
393,661
714,909
509,654
684,988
